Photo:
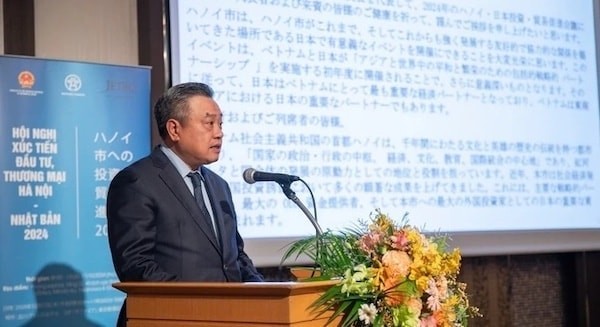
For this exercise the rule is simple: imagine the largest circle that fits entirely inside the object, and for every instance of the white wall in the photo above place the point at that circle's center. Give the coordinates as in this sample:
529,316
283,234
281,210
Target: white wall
1,28
103,31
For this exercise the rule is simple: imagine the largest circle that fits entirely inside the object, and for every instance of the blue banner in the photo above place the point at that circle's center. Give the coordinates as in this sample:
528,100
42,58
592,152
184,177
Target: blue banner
66,128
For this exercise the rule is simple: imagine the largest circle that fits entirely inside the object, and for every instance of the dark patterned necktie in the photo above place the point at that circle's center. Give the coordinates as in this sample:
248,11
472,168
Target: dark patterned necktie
197,183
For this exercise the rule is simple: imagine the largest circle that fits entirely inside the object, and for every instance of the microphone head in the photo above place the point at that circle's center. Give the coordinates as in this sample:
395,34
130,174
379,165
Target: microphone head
249,175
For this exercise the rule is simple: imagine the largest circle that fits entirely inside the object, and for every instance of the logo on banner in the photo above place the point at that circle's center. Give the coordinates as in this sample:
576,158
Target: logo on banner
120,86
73,84
26,80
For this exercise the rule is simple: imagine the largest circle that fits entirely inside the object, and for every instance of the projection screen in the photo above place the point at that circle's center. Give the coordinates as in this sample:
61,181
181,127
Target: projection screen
477,118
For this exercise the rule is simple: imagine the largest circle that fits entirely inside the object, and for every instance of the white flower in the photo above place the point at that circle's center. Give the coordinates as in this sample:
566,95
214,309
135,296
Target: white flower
367,313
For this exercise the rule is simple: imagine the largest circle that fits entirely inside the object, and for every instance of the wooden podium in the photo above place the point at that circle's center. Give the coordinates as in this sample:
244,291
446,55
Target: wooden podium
180,304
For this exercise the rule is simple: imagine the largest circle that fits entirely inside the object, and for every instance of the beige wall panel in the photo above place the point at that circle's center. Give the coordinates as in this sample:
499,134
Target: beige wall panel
103,31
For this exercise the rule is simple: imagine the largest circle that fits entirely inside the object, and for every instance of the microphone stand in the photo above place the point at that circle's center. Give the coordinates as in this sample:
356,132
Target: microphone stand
287,190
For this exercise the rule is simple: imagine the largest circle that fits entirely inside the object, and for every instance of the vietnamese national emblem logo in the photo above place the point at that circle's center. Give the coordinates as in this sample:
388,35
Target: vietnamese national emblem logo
26,79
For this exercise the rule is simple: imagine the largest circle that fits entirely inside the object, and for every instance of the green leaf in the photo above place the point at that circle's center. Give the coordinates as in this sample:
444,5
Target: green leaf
329,251
408,287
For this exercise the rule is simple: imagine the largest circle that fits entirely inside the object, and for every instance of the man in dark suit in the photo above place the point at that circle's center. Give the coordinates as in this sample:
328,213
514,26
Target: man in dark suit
164,226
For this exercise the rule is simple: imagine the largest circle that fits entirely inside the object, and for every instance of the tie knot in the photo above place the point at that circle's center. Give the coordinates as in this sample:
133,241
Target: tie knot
196,178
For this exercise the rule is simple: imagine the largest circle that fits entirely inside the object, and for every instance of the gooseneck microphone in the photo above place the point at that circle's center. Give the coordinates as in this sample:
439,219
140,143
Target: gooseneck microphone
252,176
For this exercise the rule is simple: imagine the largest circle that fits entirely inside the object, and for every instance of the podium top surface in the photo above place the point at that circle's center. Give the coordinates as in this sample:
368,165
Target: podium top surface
203,288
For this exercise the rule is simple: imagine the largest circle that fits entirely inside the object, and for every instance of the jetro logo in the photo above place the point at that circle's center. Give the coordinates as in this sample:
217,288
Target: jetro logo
26,79
120,86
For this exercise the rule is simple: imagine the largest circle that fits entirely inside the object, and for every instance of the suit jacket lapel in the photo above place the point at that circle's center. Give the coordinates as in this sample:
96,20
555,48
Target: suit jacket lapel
216,197
170,176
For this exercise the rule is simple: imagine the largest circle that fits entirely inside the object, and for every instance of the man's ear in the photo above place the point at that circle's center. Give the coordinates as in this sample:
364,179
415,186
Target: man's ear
173,129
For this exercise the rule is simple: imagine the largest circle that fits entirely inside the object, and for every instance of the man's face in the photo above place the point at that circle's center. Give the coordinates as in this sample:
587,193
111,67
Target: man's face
198,139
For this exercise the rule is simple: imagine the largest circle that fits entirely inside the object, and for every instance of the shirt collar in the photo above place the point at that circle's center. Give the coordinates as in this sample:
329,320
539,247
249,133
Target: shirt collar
182,168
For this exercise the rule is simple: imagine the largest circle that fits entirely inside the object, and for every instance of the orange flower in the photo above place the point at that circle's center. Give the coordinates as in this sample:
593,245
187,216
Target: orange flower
415,305
396,265
393,297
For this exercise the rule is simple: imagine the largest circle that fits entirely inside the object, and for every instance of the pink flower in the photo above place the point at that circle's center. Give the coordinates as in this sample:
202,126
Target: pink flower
399,240
428,321
433,301
369,242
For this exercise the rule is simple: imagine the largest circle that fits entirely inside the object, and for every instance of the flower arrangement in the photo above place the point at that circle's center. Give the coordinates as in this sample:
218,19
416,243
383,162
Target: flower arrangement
389,275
